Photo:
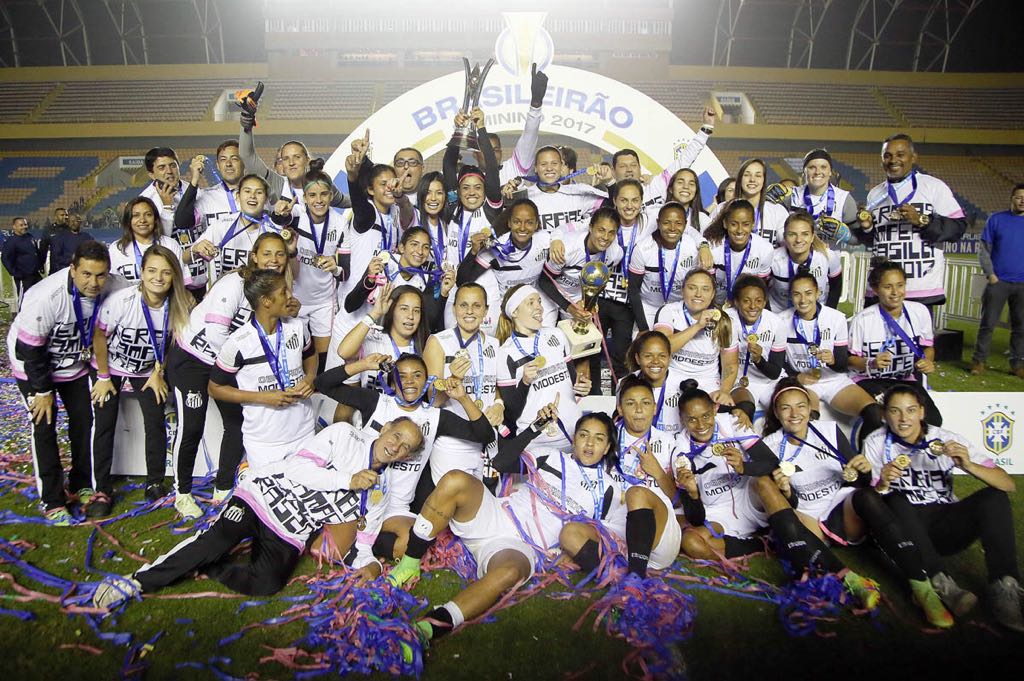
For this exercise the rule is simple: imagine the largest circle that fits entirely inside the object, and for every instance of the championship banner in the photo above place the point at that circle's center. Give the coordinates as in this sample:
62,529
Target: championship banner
578,104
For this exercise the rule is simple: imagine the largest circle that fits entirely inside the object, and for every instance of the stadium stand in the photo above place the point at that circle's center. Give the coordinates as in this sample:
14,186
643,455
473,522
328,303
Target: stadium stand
138,101
984,108
20,100
814,103
319,100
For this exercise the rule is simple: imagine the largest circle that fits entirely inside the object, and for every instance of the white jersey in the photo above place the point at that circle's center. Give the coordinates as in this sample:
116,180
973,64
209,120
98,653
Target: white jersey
166,215
627,239
929,480
48,319
127,263
567,275
511,267
130,345
570,203
728,497
552,379
244,358
234,242
569,488
870,335
755,259
901,242
683,157
663,272
455,240
818,481
828,331
297,496
405,474
378,341
771,336
631,472
698,359
214,205
769,222
398,275
313,286
832,202
822,266
222,311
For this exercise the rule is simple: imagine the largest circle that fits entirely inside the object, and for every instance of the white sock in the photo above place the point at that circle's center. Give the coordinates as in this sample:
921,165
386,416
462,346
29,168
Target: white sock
422,528
457,617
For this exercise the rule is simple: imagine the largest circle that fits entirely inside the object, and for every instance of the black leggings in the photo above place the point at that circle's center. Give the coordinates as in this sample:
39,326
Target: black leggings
617,322
877,386
190,380
889,534
271,564
945,529
46,455
105,423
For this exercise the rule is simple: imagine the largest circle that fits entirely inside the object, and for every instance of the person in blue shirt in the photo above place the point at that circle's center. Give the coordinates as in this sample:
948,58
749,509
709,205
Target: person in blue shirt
21,257
64,242
1002,243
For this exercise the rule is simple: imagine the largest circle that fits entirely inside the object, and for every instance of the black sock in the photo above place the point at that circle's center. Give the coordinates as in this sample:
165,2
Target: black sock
800,547
747,407
640,531
588,556
443,620
384,546
887,533
417,545
321,362
872,421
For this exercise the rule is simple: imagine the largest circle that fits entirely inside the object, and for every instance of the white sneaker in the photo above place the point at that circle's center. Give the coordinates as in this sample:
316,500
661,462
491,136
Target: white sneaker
186,505
220,495
115,590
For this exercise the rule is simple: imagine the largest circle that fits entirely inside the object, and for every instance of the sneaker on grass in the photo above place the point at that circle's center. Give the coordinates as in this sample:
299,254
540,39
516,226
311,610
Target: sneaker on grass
1004,601
59,517
959,601
186,505
114,590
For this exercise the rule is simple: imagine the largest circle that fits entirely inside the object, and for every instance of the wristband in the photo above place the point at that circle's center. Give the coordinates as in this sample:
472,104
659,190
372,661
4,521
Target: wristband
102,377
707,129
369,321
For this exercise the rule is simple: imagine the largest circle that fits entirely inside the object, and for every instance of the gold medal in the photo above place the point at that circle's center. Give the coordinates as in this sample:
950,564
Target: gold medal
744,381
812,350
461,354
85,354
479,404
286,234
539,361
902,462
376,496
850,474
361,523
788,468
716,315
937,447
591,170
718,449
863,215
752,338
924,220
486,232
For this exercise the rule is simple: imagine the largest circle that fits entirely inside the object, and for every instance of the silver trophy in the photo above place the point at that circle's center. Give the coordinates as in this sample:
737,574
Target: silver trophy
584,337
465,135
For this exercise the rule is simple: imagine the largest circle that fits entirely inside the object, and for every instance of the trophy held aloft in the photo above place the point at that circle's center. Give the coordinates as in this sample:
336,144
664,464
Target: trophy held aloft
584,338
465,135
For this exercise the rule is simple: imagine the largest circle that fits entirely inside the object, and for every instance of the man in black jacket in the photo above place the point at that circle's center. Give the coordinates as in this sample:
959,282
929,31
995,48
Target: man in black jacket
64,242
21,257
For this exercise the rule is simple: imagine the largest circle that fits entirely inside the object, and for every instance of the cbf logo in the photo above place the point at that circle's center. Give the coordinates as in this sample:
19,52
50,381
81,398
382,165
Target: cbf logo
997,428
523,42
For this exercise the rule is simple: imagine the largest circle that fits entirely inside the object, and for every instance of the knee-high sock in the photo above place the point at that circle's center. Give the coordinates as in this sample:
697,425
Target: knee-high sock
890,537
640,530
419,538
872,417
588,556
799,546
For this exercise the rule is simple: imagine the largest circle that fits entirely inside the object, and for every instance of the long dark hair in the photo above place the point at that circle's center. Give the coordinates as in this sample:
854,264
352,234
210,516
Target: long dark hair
422,330
421,197
611,459
696,205
127,235
771,421
716,231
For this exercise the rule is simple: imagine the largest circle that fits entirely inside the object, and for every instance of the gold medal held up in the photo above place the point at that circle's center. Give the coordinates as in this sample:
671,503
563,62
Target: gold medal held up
376,496
744,381
539,361
902,462
718,449
850,474
752,338
361,523
787,468
937,447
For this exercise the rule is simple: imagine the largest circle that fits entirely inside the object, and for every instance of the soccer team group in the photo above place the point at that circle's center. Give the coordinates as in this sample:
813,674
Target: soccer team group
389,364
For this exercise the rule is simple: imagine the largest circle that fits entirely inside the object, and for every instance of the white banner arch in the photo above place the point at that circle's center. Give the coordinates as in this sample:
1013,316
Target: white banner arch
579,104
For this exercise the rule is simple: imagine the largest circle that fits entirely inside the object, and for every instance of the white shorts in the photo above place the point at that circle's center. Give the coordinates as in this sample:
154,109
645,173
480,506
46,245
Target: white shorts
319,318
453,454
260,453
830,385
745,522
490,532
665,552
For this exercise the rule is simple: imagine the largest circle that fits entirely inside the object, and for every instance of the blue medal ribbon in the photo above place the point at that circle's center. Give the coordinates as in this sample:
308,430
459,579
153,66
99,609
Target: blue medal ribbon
230,196
438,245
637,476
387,228
595,494
319,245
830,202
85,328
478,379
896,329
797,324
746,332
536,347
158,347
627,251
277,360
666,288
890,189
138,257
504,251
729,277
233,231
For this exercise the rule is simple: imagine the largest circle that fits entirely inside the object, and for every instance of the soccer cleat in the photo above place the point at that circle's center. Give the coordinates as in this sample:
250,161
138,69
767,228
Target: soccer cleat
221,495
926,598
865,590
83,496
186,505
406,570
114,590
99,505
155,492
1004,601
59,517
959,601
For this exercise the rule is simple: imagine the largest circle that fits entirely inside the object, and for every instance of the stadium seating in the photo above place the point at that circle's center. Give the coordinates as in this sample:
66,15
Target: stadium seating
136,101
21,99
318,99
939,107
33,184
814,103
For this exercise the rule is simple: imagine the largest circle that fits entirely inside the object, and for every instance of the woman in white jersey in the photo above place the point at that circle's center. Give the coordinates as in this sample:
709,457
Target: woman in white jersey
659,265
892,342
477,191
533,369
684,188
227,243
649,357
729,497
827,484
735,249
317,232
136,325
832,209
802,251
761,340
817,354
768,216
140,231
408,390
915,462
558,201
511,536
703,340
468,354
189,362
268,366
